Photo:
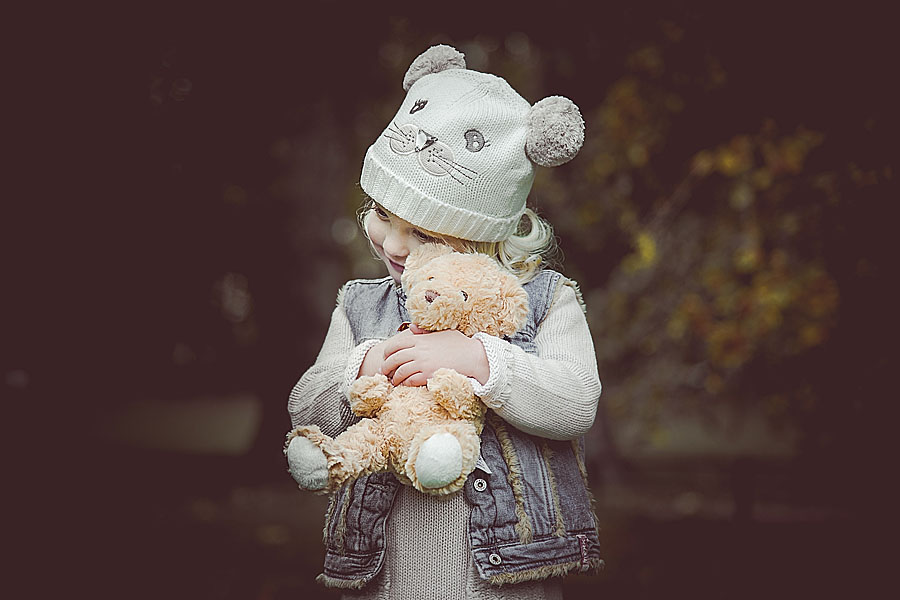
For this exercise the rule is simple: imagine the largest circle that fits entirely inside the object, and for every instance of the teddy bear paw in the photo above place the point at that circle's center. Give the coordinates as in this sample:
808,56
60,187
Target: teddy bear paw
368,393
439,461
307,464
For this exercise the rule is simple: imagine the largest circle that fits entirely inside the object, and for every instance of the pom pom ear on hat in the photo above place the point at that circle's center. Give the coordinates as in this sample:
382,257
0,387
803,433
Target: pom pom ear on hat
555,131
434,60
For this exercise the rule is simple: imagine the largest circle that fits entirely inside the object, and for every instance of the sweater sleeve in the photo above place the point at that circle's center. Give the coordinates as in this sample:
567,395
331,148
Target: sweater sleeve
320,396
553,393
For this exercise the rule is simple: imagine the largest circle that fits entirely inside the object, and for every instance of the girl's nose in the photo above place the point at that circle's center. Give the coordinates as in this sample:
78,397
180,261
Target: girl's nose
395,244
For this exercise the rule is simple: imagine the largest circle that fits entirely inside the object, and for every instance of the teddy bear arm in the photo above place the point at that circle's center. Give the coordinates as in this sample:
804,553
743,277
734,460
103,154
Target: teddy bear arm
368,394
454,393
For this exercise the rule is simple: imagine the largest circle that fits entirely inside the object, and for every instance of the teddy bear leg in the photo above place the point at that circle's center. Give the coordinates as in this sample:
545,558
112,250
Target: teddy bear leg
361,449
368,393
321,464
442,456
307,462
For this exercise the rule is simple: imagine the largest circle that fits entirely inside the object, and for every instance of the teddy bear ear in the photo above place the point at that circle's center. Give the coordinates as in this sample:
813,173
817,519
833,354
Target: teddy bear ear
555,131
424,254
434,60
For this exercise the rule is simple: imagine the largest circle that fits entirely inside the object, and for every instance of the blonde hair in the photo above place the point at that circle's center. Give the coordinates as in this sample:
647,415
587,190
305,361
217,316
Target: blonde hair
531,248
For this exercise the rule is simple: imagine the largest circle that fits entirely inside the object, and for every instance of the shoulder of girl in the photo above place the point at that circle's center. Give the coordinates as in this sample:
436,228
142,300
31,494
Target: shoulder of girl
354,284
558,286
566,283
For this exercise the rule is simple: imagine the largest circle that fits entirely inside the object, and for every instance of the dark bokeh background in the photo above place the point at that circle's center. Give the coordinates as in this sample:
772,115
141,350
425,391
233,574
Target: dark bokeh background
175,245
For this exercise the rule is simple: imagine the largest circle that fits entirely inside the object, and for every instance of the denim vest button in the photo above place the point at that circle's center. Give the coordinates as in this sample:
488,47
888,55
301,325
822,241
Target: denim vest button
480,485
495,559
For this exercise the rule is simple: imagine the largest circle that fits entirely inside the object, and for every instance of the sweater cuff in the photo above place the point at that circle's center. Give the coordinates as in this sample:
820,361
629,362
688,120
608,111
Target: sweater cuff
495,390
354,362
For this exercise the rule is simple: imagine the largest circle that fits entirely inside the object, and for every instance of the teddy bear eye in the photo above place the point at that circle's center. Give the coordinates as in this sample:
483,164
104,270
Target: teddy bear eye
430,278
464,294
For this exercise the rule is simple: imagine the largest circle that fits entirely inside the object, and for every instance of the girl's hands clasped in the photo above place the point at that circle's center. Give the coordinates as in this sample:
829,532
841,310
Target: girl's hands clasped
411,357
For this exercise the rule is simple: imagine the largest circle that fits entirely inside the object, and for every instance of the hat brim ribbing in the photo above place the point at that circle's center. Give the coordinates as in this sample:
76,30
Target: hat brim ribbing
418,208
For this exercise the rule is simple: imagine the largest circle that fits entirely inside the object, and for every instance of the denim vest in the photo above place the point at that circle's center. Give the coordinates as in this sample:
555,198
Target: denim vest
531,517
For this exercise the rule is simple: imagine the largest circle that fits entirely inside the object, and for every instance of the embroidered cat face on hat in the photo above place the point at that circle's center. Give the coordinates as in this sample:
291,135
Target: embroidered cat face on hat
458,158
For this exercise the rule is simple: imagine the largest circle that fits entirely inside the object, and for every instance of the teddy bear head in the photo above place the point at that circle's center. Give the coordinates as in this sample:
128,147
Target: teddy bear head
467,292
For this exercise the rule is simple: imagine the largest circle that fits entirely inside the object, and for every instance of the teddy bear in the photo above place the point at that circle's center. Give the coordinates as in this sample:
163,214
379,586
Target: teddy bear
428,436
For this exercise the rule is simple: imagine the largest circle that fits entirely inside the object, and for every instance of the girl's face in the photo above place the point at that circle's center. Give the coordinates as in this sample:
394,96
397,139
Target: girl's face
393,239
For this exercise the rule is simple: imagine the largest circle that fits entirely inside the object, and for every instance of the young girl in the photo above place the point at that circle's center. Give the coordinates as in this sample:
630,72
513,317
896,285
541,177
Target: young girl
455,166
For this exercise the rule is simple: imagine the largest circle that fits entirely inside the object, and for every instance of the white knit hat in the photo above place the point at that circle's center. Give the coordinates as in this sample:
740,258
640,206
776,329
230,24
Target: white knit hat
457,158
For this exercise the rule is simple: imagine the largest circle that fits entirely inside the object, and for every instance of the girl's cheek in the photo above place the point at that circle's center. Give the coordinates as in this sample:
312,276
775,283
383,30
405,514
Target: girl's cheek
375,230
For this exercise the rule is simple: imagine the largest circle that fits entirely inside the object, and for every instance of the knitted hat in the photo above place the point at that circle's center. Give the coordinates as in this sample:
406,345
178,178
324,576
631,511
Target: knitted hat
458,157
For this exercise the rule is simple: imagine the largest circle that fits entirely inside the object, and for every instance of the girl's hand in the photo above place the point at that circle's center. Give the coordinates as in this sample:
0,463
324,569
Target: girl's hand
411,357
374,358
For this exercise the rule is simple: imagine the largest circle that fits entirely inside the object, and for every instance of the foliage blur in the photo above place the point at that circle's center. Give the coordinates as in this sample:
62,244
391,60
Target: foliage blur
730,222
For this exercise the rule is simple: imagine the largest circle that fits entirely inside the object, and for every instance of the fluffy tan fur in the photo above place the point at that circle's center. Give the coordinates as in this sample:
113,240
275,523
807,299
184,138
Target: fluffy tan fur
445,290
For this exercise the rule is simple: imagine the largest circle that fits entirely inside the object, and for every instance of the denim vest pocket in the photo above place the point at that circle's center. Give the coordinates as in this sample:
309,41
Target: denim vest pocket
533,519
355,530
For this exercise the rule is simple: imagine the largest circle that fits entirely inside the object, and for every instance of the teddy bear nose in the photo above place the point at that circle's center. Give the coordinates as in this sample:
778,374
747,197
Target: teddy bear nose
430,295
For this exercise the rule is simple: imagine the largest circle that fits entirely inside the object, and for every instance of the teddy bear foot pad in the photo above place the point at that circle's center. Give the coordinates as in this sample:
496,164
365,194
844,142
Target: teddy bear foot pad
439,461
308,465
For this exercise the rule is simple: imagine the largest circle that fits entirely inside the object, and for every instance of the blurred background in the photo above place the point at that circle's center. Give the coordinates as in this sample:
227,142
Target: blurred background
730,220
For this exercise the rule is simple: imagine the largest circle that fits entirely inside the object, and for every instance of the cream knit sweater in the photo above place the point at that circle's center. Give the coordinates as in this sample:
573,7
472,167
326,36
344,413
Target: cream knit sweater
553,394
